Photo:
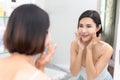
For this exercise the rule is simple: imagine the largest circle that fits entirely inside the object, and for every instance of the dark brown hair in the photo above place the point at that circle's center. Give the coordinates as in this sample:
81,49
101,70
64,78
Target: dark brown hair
26,30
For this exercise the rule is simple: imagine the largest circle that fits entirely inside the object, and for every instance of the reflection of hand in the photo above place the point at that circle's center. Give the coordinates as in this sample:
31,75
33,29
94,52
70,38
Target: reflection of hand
45,57
80,43
94,41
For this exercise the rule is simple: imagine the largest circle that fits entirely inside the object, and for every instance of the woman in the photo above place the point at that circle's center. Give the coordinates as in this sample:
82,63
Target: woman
26,35
89,54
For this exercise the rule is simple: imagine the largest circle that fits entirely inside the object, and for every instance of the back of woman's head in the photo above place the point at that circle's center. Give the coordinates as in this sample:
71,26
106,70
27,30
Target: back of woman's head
94,15
26,30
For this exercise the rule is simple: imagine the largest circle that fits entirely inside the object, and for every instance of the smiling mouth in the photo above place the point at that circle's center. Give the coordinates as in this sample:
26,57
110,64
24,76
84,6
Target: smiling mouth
84,36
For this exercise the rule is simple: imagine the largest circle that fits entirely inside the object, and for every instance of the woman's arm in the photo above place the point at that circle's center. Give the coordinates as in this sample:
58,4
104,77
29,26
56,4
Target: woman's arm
93,70
75,60
90,67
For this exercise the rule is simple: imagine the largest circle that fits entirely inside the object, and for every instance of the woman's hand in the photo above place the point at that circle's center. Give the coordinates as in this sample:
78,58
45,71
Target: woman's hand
45,57
94,41
80,43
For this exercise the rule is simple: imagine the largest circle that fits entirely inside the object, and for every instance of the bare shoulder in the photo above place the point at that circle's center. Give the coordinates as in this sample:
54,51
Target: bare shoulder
73,43
33,74
42,76
107,48
74,46
1,60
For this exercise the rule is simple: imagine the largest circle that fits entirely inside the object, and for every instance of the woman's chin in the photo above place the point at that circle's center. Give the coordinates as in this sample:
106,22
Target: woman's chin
86,40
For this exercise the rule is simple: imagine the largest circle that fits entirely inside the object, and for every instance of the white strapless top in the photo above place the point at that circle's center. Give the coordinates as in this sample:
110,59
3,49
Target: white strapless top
101,76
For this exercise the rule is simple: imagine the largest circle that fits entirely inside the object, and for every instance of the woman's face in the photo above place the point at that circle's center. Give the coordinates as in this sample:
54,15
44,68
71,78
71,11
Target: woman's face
87,28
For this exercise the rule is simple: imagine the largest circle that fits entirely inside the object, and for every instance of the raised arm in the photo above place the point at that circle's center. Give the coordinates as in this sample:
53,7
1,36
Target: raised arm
77,48
75,59
93,70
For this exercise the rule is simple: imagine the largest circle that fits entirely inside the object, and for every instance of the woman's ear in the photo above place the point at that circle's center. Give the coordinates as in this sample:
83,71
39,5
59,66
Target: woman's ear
99,27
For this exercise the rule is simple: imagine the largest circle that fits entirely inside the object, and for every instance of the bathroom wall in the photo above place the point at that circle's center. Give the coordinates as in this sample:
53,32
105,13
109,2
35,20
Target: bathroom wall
64,16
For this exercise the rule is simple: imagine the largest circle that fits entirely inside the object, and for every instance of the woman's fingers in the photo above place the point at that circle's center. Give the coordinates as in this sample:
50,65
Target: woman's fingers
77,35
51,50
96,39
100,35
46,56
94,36
49,54
42,58
79,40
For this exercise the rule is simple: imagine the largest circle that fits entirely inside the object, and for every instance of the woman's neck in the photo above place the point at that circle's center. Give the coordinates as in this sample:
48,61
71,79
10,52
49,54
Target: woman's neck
86,42
29,58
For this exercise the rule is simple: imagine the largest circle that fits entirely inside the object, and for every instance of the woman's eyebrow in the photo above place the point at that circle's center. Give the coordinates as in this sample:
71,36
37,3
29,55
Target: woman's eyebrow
88,24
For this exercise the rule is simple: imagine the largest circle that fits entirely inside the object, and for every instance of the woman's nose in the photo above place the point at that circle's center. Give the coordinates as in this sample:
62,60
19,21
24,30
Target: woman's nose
84,30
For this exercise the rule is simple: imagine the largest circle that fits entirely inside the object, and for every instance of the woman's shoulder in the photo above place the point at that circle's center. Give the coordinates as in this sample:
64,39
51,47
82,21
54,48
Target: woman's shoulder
29,72
73,42
107,45
32,74
38,75
3,61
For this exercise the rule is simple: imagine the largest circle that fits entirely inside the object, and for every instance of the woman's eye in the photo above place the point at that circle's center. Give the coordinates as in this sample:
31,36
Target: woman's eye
80,26
89,26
